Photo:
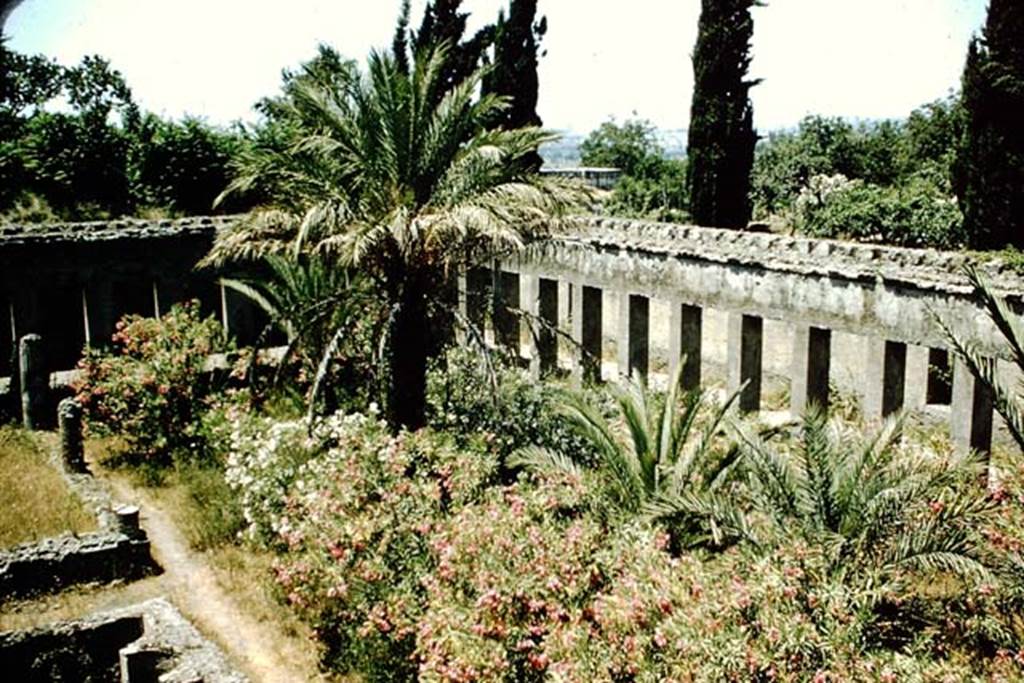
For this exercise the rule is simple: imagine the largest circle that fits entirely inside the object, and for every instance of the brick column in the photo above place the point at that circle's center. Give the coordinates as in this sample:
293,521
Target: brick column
885,378
685,328
634,332
587,324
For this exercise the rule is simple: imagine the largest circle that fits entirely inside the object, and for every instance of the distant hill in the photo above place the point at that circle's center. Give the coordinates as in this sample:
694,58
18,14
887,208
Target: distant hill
565,153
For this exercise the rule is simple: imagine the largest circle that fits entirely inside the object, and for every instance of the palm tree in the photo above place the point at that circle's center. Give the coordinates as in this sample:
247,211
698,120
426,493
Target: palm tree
387,178
871,513
658,456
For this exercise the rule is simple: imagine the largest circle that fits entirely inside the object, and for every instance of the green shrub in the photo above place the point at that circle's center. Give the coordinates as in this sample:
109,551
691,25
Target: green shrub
469,398
918,214
149,388
214,515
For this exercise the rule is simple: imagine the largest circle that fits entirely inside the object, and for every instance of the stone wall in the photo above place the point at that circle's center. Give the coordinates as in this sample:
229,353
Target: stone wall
70,283
831,300
139,644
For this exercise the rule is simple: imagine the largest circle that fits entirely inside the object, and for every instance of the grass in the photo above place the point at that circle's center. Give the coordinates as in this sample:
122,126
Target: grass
35,501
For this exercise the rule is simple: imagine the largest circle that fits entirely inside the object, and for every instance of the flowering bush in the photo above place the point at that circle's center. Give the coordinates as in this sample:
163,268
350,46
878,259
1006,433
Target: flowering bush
149,388
263,461
508,572
357,525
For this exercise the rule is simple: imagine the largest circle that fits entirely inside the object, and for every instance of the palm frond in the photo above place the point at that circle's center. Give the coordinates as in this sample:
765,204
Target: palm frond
543,460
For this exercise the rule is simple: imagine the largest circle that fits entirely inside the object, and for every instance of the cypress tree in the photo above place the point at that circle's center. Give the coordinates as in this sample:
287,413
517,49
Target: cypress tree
722,137
514,71
988,175
400,43
444,23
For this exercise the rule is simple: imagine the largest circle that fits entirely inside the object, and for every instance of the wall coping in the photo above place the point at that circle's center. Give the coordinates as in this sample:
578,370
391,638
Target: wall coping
928,269
924,268
12,234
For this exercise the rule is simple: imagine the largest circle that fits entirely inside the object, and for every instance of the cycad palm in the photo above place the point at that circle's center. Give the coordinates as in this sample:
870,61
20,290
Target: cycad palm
873,511
657,454
408,186
313,303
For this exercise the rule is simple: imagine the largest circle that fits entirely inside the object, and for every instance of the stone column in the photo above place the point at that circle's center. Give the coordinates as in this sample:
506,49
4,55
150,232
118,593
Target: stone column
543,305
634,331
69,422
744,359
587,324
971,411
34,379
685,328
506,319
915,394
812,357
886,378
126,521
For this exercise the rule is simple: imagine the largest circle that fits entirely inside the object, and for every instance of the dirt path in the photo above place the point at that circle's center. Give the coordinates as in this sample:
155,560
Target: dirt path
259,648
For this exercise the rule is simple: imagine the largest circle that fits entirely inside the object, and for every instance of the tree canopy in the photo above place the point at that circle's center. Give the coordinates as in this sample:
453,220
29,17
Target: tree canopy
398,178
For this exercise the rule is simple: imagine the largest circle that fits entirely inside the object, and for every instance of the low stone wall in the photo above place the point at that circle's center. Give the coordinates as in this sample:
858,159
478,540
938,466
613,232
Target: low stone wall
138,644
56,563
118,551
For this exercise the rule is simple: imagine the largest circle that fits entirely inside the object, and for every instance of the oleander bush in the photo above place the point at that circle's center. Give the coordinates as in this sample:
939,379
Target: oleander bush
357,524
150,387
413,560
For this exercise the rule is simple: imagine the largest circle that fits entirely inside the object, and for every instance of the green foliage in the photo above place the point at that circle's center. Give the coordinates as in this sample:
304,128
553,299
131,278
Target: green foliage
651,185
513,73
471,395
915,214
901,196
1007,402
661,461
989,173
721,136
181,166
149,388
97,156
330,321
213,517
382,180
876,512
444,26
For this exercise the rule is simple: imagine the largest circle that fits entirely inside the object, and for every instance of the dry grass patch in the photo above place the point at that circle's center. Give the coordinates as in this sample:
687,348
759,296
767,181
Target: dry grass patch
35,501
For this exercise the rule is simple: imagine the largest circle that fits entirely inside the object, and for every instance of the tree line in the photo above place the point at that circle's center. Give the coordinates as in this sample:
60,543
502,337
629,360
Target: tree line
950,175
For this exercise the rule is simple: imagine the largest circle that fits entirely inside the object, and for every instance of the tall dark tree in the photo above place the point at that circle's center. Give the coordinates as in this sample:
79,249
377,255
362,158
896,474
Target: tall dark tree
400,43
989,172
722,137
444,24
514,72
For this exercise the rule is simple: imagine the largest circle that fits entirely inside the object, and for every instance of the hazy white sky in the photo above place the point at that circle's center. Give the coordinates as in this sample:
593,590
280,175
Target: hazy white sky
215,58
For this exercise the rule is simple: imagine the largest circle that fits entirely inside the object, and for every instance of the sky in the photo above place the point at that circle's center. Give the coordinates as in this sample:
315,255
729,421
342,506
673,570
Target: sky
861,59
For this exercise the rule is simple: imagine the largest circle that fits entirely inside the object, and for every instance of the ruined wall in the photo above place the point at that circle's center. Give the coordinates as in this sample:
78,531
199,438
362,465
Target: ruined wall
71,282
